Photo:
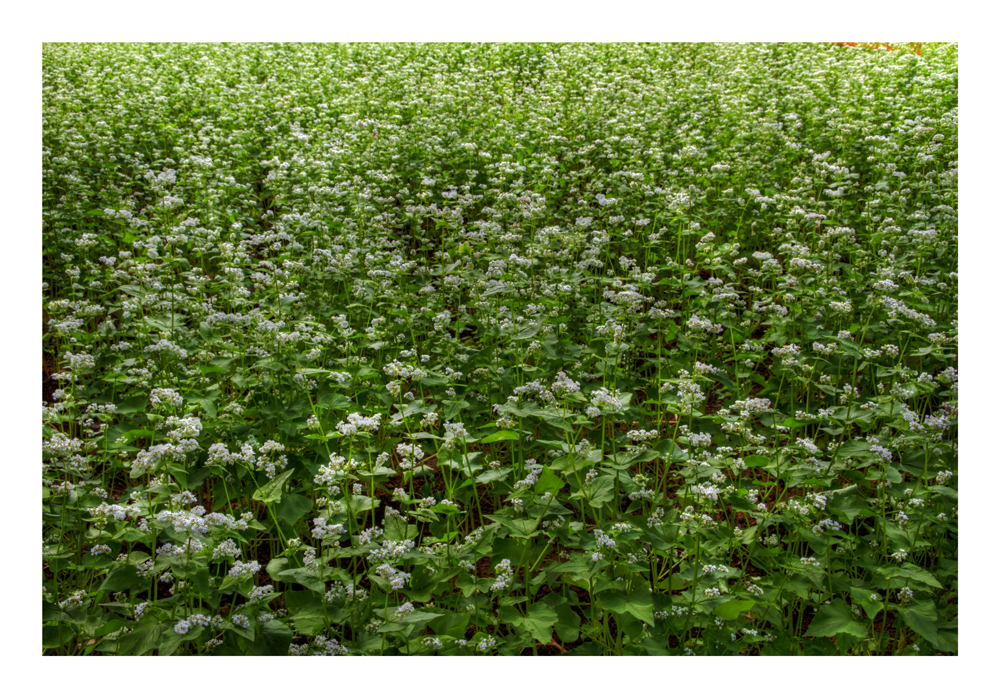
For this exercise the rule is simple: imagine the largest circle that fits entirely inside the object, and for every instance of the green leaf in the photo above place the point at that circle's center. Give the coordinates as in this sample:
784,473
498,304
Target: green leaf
431,380
730,610
515,549
518,528
638,604
921,617
325,437
660,536
642,457
172,641
419,617
602,491
469,585
454,409
246,633
557,421
197,477
530,331
857,447
491,475
397,529
56,635
131,405
548,481
892,475
121,579
539,621
200,582
302,575
52,612
207,404
379,474
424,584
451,624
358,504
833,619
848,503
572,462
947,640
305,612
111,626
863,598
668,449
276,565
293,507
911,571
271,492
165,322
502,435
272,640
144,638
568,624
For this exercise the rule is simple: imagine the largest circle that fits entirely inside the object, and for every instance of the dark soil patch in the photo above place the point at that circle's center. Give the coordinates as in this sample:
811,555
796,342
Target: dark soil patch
49,385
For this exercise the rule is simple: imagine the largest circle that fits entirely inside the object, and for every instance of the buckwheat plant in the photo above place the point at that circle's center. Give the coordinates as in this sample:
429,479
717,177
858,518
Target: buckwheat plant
500,349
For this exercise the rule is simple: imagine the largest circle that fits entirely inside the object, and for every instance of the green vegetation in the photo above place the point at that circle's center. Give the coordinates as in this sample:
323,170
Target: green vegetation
500,349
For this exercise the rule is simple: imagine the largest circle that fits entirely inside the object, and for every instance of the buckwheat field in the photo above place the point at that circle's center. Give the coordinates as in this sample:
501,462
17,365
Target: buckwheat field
500,349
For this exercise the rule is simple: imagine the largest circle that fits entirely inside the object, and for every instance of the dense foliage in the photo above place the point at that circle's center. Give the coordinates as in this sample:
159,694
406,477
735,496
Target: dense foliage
502,349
